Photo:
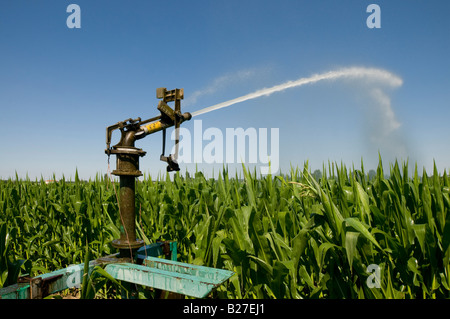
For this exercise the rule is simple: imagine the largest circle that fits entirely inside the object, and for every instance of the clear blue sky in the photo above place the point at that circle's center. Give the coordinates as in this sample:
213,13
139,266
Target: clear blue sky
60,88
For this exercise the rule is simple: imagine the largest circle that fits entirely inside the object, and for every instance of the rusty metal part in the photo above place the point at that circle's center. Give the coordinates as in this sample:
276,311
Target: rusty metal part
39,286
127,240
166,249
166,111
173,117
127,168
127,161
110,259
128,125
168,96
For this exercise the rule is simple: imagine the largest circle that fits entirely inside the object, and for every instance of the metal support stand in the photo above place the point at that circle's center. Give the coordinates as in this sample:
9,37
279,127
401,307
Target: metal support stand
127,170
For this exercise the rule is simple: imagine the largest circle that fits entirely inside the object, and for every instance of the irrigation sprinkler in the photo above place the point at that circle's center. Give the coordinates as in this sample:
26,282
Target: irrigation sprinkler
134,263
127,164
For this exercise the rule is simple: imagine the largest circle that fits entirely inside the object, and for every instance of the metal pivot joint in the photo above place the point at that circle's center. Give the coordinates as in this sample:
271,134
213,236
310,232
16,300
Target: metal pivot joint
173,117
127,159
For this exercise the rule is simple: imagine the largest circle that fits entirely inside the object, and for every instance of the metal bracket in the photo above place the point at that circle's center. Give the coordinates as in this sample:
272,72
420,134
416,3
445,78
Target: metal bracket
169,96
39,286
126,124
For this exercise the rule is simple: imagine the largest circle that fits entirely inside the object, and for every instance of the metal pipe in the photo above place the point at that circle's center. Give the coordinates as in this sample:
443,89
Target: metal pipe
128,169
154,127
127,243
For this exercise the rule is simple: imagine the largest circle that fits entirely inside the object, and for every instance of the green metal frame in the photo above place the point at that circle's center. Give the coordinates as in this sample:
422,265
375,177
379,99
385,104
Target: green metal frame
150,271
187,279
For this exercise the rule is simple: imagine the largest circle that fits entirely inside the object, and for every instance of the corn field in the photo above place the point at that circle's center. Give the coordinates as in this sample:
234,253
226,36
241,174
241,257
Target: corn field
286,236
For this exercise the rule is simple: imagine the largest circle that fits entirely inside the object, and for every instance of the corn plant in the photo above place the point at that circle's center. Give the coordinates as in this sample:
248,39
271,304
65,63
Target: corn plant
287,236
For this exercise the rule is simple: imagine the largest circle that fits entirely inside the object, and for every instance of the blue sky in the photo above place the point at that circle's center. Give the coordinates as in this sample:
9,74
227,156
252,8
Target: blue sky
60,87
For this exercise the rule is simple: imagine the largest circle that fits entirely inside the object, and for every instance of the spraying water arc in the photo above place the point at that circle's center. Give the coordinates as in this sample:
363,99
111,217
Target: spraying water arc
371,74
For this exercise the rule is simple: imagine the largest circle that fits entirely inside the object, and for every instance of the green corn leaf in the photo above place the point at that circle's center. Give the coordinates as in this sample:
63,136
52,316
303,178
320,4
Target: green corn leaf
3,242
264,265
364,200
280,271
85,287
351,239
306,277
419,232
358,226
216,244
438,198
99,270
446,237
299,244
249,186
323,249
257,234
427,202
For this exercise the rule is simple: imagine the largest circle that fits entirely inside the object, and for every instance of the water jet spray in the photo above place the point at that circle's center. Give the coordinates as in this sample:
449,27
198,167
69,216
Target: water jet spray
371,74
